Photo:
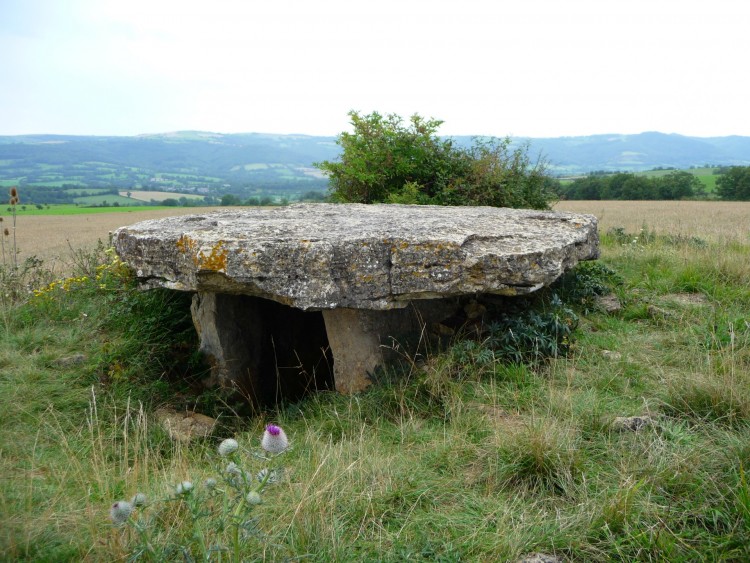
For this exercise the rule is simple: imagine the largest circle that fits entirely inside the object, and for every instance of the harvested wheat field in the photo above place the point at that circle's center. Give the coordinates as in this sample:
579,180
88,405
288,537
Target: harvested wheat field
709,220
53,237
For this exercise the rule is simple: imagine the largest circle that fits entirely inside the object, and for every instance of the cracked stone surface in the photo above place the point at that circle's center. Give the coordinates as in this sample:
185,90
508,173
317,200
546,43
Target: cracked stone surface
328,256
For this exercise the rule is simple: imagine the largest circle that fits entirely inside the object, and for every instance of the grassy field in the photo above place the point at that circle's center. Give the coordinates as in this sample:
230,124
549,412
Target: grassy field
157,196
705,175
104,198
464,457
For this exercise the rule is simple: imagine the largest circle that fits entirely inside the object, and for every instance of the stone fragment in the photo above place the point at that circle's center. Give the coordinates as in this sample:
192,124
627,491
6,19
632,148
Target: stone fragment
540,558
72,360
474,310
631,423
608,303
185,426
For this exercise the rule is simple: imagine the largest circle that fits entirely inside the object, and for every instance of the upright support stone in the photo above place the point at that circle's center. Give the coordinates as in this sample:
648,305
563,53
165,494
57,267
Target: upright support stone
230,329
355,346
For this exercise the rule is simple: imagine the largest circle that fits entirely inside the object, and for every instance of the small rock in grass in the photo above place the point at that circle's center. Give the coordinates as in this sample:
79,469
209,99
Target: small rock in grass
609,303
540,558
74,360
610,355
185,426
631,423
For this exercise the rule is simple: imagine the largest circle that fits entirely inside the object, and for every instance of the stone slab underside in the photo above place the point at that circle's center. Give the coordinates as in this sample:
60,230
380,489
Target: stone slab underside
358,264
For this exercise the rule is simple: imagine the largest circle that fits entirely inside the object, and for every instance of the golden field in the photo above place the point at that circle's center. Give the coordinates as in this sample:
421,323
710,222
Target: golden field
709,220
51,237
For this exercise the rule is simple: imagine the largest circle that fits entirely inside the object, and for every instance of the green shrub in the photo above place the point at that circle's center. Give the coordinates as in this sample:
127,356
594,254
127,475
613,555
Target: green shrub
385,161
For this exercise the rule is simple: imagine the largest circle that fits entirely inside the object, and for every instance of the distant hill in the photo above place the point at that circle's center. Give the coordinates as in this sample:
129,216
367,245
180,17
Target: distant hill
644,151
252,163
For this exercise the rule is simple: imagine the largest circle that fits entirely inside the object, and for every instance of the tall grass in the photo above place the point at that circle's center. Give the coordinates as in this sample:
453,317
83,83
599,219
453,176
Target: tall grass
468,456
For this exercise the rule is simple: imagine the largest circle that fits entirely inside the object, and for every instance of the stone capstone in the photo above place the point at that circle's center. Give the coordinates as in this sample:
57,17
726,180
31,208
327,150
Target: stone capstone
368,276
327,256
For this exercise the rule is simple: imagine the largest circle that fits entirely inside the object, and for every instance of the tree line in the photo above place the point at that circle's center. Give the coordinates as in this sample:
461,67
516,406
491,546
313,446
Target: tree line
733,183
626,185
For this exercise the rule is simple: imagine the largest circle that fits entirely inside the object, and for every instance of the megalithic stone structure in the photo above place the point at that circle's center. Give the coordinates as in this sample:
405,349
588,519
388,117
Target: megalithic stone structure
340,286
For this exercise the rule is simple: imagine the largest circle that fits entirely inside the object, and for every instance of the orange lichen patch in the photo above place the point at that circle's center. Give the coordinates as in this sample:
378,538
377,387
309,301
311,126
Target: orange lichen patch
216,260
186,245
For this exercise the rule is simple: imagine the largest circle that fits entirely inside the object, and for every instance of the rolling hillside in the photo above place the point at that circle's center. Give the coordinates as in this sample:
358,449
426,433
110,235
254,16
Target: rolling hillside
252,163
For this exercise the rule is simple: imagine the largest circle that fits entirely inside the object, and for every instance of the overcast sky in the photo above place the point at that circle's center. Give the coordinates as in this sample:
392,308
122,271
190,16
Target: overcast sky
540,68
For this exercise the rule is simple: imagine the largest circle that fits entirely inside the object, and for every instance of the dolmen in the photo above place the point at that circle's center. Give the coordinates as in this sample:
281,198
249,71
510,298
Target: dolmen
320,296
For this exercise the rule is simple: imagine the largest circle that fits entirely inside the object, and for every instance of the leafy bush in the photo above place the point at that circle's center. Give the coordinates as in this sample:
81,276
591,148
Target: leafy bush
385,161
584,283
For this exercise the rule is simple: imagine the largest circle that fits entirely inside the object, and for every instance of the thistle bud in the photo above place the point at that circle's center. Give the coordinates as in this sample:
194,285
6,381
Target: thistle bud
120,512
253,497
139,499
13,192
228,446
183,488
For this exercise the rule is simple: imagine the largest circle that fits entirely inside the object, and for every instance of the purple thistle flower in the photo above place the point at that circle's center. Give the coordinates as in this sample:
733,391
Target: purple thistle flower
274,439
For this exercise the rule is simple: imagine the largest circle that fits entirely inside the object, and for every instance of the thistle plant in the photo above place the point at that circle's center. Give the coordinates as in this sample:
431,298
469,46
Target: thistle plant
211,520
11,231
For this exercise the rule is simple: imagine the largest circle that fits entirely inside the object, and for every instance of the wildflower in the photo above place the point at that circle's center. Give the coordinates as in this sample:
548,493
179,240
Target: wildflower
120,512
253,498
139,499
274,439
228,446
210,483
184,488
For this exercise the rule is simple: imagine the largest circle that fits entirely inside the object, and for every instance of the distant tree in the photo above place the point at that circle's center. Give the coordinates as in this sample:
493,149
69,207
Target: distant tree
734,184
313,195
230,199
387,160
678,185
170,202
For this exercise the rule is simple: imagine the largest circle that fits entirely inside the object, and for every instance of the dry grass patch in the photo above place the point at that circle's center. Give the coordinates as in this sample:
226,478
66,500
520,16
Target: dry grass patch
51,237
708,220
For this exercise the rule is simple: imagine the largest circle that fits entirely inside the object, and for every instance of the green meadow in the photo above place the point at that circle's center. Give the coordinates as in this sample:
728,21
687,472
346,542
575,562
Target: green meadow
71,209
504,442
